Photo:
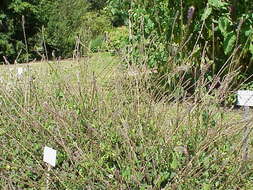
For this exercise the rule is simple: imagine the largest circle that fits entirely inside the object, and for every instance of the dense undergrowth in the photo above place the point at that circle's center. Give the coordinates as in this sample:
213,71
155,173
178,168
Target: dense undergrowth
110,133
150,112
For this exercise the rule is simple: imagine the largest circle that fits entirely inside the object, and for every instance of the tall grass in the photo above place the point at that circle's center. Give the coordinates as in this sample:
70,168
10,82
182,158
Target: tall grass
111,133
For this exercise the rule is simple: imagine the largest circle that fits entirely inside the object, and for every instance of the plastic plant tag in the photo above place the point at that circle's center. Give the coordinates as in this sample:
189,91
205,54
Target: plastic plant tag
20,71
49,156
245,98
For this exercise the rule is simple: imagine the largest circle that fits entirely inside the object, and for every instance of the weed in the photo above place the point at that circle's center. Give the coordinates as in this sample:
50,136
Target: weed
110,132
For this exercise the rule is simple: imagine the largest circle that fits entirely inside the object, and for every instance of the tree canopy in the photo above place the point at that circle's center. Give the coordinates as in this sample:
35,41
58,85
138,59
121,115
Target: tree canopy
24,24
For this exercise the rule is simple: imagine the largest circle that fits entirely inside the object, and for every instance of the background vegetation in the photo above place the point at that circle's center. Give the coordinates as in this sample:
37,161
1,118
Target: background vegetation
33,29
140,105
190,35
162,34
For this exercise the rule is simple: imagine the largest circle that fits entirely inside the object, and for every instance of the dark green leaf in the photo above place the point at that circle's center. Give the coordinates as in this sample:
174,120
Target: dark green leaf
229,42
224,23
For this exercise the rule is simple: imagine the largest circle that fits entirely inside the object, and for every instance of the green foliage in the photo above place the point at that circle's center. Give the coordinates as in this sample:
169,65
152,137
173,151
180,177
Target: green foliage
118,11
11,31
95,23
65,17
109,132
97,4
97,43
72,21
49,26
219,4
176,35
117,39
6,47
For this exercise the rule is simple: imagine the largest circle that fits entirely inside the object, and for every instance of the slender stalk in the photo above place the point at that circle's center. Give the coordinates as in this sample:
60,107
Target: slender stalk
44,42
24,33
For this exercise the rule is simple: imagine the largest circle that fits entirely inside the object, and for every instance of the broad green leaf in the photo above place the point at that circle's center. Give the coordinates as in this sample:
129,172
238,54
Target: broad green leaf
223,25
229,42
206,14
217,3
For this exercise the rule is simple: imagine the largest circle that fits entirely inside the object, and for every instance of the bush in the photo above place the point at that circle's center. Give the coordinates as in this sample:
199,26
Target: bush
13,16
117,39
97,43
57,24
168,35
78,24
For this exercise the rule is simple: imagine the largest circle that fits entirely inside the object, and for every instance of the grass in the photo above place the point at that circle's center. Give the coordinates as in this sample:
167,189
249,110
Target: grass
110,133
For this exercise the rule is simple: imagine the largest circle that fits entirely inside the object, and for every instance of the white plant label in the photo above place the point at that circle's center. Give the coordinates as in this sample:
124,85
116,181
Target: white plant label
20,71
245,98
49,156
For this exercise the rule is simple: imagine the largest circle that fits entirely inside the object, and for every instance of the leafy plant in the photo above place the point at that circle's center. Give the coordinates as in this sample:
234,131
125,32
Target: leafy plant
110,132
97,43
178,34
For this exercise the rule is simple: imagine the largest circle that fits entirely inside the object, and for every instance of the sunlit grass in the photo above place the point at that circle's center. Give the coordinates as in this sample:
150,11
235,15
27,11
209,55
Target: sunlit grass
110,132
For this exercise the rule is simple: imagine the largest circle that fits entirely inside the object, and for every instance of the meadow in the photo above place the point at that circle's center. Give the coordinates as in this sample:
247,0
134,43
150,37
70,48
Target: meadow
148,102
111,132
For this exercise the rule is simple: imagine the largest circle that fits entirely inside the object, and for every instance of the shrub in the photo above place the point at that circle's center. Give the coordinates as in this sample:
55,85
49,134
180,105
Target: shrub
78,24
188,34
53,26
117,39
97,43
